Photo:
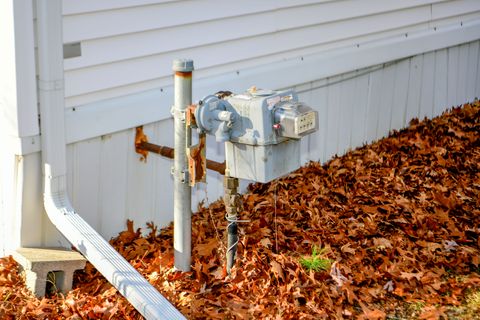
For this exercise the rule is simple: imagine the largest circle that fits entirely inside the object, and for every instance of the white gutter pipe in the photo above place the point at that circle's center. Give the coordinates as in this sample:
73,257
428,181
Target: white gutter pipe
138,291
182,196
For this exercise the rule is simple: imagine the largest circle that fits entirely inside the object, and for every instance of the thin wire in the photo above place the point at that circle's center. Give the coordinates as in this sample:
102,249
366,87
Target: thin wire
217,234
223,246
236,220
230,222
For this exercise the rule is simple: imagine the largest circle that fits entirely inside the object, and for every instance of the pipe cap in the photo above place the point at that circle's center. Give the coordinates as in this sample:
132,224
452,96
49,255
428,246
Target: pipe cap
183,65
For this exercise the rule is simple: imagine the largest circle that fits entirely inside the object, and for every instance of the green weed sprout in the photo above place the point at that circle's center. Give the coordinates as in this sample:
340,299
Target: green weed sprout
317,261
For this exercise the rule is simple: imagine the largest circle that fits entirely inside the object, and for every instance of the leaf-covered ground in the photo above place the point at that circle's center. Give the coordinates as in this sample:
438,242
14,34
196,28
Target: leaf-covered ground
399,220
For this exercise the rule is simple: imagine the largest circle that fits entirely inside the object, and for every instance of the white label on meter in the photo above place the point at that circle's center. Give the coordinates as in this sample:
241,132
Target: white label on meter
305,122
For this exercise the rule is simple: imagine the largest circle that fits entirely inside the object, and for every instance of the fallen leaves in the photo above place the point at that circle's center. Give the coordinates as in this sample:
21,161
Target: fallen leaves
206,249
277,270
401,219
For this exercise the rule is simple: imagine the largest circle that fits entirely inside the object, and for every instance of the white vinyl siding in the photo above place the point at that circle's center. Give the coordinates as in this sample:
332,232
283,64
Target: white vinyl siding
128,47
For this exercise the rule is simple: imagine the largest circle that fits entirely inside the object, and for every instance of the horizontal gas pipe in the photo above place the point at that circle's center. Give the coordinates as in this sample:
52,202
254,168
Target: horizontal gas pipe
170,152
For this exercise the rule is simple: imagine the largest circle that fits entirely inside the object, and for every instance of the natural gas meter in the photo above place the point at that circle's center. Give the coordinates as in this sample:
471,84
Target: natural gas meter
261,130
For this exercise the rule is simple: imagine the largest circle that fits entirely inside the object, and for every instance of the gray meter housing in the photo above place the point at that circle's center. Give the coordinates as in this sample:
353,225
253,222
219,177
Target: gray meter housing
261,130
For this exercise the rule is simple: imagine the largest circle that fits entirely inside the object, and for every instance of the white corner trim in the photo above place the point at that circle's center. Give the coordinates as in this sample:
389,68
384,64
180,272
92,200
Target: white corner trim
112,115
21,145
17,78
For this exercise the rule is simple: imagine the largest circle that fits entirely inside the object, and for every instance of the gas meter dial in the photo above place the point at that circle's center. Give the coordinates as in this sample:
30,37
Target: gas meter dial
295,120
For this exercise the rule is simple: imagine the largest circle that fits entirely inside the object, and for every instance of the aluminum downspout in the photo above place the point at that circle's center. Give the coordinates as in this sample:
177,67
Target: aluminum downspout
138,291
182,198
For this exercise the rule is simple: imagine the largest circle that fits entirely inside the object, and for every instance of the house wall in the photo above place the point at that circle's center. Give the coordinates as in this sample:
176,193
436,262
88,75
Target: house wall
109,184
128,46
123,77
366,68
365,105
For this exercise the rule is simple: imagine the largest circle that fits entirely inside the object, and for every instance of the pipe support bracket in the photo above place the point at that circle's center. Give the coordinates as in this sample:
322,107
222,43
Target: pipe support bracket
178,114
181,175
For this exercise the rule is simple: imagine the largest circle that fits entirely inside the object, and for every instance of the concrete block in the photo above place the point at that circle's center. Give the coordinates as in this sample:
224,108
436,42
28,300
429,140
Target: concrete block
42,265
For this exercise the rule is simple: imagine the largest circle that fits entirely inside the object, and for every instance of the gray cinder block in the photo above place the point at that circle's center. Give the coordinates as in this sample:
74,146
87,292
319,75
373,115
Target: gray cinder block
37,263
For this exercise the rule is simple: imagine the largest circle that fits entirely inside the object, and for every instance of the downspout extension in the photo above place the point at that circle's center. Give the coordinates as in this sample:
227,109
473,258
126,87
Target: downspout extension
138,291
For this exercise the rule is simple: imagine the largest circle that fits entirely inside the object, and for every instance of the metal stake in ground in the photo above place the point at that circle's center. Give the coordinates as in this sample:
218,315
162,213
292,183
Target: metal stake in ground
182,213
232,203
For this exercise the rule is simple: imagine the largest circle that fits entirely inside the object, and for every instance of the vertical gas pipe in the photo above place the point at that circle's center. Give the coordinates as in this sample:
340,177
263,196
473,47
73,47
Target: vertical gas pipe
182,220
232,202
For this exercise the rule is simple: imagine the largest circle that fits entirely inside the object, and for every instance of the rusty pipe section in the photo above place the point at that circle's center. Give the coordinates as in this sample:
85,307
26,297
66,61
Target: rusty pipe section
170,153
155,148
216,166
